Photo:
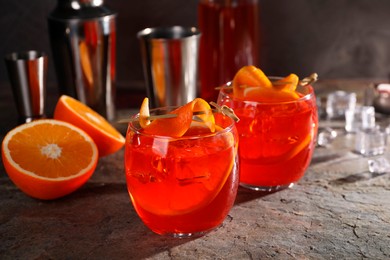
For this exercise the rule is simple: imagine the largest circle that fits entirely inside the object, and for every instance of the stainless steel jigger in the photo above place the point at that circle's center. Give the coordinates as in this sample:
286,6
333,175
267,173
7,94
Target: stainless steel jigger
27,72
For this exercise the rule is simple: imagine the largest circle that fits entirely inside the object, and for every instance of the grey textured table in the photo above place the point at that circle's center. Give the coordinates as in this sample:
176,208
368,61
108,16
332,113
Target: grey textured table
337,211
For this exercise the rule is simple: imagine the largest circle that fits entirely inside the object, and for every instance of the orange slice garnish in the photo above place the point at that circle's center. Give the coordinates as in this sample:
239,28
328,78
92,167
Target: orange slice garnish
177,126
249,76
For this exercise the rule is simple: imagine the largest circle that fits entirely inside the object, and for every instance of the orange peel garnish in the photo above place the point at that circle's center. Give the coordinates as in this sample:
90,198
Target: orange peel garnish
269,95
251,84
144,113
177,126
249,76
288,83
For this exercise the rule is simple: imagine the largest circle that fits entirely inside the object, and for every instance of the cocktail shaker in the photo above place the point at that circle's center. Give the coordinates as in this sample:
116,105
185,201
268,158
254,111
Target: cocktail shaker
83,42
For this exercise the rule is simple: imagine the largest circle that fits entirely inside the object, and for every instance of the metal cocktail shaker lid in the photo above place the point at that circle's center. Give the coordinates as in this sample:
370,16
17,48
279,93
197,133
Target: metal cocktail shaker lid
80,10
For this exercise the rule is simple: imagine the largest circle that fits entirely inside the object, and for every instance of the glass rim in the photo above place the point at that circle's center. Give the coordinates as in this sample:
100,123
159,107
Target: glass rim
307,96
136,129
168,33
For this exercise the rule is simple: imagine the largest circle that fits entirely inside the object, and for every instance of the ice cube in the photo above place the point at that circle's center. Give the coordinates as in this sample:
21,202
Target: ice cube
326,136
368,117
353,119
379,165
371,142
159,169
338,102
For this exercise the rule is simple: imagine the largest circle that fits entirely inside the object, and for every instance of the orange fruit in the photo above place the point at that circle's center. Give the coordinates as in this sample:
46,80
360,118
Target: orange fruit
177,126
249,76
106,137
48,159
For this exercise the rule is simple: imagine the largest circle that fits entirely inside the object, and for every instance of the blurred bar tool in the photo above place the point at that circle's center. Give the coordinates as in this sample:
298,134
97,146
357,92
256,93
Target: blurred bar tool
83,42
381,99
27,72
170,61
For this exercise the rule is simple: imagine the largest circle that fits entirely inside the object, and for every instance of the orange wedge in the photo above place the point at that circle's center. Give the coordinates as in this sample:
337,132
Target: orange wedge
249,76
48,159
177,126
106,137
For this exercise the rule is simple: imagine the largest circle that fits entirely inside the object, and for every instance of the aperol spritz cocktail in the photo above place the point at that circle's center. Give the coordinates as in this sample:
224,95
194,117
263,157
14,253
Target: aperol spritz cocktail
277,138
182,186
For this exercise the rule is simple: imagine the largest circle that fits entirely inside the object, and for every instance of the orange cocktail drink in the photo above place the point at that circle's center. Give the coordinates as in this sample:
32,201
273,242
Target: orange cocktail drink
277,133
182,185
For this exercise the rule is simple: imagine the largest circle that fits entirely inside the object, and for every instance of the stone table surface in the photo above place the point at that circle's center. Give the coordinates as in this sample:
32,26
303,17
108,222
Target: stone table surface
338,210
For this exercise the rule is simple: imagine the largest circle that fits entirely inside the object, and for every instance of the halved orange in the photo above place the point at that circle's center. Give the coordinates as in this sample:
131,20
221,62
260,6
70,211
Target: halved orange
48,158
249,76
107,138
177,126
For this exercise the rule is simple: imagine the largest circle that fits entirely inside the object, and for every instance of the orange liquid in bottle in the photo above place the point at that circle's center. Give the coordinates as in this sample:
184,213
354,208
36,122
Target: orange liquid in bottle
229,41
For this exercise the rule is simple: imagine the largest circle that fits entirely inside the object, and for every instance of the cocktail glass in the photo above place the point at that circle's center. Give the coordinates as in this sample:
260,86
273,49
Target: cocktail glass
276,140
182,187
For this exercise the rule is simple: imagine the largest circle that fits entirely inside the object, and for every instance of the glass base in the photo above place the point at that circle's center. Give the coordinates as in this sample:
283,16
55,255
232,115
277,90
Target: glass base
267,188
188,235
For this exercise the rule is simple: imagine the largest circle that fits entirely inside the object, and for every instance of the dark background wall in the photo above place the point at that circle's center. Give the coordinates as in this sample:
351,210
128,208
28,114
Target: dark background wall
346,39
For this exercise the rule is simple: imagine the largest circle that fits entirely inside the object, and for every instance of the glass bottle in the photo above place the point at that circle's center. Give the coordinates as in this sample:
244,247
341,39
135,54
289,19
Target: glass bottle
229,41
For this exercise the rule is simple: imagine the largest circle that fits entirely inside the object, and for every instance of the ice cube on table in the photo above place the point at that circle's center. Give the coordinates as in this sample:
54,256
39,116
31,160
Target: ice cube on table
371,141
379,165
338,102
326,136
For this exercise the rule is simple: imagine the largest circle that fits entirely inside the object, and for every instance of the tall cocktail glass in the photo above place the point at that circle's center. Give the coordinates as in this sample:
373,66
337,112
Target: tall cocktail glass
276,140
182,187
